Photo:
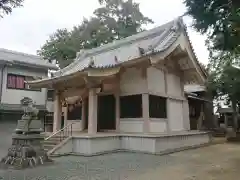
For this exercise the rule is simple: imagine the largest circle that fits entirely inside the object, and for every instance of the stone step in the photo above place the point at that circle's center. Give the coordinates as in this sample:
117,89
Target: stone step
51,142
48,147
57,138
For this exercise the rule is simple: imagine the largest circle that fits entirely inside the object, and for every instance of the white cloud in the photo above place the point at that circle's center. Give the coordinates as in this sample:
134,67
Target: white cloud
28,27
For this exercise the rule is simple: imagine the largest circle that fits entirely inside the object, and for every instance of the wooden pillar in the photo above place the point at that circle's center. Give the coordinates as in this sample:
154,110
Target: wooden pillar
186,115
65,115
92,113
57,112
165,81
225,120
83,119
117,97
145,109
168,128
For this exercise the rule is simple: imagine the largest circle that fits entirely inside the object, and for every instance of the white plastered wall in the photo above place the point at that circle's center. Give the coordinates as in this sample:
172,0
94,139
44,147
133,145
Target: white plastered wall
156,86
13,96
170,86
161,84
131,82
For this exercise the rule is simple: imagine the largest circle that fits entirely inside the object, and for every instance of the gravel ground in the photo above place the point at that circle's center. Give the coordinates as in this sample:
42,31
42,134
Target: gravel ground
110,166
216,162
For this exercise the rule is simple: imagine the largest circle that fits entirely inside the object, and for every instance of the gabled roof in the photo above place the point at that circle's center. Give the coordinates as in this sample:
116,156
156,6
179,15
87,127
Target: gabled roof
159,39
13,57
117,52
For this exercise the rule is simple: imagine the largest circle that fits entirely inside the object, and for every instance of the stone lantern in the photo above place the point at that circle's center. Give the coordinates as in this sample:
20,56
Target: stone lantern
26,150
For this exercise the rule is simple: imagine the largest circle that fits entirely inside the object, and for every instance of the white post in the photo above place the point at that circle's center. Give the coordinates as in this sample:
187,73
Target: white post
92,113
145,109
57,112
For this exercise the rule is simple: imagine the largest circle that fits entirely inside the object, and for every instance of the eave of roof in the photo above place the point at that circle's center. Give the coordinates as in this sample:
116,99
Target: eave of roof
13,57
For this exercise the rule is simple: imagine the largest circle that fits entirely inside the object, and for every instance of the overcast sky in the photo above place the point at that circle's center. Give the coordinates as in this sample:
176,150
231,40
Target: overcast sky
28,27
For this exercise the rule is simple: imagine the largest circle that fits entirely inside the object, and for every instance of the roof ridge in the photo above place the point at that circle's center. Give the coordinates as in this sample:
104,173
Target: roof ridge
18,53
141,35
24,58
163,31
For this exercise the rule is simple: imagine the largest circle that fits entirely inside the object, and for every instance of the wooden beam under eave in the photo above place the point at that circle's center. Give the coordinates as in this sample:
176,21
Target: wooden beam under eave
111,84
190,70
156,59
73,92
172,67
192,78
143,64
103,72
179,55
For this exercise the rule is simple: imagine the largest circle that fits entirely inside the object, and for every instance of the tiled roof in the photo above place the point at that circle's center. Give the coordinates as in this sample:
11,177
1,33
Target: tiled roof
191,88
117,52
25,59
225,110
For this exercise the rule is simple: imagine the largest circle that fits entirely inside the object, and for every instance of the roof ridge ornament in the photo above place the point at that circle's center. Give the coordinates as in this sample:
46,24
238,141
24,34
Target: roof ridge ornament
78,54
91,63
116,59
151,48
177,24
141,51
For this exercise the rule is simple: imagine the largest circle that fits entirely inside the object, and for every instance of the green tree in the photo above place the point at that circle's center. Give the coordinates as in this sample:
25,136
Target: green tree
6,6
219,19
225,86
113,20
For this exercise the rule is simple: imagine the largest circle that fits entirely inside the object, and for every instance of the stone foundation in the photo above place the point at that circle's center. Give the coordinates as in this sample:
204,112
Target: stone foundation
145,143
26,151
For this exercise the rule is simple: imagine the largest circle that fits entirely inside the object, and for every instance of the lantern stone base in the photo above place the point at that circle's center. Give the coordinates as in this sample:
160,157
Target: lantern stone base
26,150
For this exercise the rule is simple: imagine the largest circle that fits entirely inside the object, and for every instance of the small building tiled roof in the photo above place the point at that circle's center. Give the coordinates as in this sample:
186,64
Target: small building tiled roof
14,57
225,110
191,88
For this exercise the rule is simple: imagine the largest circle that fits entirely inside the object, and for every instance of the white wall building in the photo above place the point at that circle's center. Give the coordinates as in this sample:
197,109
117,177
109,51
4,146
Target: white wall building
15,69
